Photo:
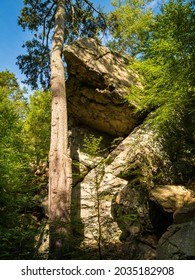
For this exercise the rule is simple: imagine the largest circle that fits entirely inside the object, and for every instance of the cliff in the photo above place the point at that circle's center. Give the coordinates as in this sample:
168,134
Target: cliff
124,195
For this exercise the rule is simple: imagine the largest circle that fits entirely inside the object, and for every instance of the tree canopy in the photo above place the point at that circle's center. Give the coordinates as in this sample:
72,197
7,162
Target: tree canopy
16,195
37,16
129,25
37,125
167,71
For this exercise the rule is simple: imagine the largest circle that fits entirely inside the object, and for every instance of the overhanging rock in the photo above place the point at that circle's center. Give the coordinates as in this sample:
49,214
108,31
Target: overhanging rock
97,86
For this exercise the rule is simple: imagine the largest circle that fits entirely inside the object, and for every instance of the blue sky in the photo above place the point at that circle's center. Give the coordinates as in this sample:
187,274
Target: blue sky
12,36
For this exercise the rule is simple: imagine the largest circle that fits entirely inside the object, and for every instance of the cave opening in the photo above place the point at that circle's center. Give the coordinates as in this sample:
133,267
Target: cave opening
159,218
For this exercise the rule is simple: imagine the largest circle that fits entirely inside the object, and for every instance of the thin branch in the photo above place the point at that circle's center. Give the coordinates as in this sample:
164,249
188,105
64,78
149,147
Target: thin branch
78,5
44,23
49,28
98,12
72,12
45,46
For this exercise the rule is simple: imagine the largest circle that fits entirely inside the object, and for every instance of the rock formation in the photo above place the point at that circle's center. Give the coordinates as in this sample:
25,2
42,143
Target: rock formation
99,81
123,197
177,243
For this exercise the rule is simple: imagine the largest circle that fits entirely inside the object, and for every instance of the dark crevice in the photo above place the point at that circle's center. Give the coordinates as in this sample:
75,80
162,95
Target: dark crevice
160,219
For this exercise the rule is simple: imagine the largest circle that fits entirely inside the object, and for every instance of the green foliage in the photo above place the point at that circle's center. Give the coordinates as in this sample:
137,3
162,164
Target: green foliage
12,164
127,219
164,60
20,214
92,145
167,73
168,69
8,81
11,144
37,125
130,25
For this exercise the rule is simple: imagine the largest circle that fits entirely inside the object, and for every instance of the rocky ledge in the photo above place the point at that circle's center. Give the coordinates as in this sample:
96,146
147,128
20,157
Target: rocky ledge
97,86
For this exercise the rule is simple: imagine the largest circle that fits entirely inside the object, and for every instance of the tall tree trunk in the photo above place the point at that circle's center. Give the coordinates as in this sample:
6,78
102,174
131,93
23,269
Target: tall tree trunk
59,161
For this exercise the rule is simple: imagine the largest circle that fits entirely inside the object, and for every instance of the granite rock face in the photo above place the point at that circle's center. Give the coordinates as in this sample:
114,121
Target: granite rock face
97,86
112,199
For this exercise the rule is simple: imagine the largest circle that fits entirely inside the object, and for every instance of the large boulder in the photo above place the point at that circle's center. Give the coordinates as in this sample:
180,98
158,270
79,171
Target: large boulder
178,242
164,201
97,87
111,201
170,197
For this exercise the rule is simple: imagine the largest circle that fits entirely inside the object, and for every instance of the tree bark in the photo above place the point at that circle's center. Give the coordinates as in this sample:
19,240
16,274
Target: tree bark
59,160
